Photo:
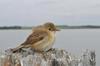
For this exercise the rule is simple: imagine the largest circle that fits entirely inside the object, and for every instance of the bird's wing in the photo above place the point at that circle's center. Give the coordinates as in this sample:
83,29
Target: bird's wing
36,36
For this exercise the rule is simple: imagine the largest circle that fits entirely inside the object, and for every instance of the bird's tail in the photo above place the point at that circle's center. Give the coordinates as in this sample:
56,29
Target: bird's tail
17,49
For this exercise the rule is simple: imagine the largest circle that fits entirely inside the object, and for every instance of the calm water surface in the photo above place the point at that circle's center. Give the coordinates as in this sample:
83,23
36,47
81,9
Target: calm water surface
73,40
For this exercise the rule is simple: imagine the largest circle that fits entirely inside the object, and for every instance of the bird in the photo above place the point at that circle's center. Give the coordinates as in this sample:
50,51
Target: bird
41,39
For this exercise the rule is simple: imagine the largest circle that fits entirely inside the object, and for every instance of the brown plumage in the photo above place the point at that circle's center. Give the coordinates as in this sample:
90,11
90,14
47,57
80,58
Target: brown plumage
41,39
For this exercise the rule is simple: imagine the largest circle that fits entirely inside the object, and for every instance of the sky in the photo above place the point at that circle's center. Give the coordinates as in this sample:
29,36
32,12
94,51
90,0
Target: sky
64,12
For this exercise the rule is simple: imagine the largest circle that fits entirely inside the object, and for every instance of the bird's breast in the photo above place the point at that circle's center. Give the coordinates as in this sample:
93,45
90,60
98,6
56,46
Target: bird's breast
50,43
46,43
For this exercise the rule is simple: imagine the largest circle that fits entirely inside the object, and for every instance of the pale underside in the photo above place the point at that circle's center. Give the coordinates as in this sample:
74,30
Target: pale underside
46,43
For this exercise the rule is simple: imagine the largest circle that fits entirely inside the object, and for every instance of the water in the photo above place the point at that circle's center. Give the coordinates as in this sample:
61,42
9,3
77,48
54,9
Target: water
73,40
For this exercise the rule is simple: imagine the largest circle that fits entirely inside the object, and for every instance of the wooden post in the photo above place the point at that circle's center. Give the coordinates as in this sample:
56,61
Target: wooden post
54,57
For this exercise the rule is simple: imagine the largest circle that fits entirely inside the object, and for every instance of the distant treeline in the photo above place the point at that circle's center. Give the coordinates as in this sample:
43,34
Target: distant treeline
60,26
15,27
78,27
11,27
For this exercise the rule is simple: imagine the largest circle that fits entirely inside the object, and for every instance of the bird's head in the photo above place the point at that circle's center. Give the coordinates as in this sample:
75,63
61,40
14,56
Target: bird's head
51,27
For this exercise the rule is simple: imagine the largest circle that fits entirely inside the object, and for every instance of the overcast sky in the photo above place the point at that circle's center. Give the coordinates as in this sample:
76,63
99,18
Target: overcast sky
33,12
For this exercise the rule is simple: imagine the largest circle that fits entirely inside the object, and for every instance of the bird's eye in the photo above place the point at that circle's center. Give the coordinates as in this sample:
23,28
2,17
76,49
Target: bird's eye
50,29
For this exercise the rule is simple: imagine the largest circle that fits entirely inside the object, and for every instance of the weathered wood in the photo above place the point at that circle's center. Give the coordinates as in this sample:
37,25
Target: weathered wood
54,57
